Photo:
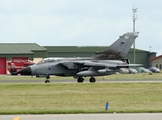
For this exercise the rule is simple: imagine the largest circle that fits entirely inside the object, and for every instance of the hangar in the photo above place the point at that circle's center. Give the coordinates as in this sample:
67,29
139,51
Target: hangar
31,51
19,52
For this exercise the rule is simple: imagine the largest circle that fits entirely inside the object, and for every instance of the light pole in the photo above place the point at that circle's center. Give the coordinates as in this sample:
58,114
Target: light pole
134,19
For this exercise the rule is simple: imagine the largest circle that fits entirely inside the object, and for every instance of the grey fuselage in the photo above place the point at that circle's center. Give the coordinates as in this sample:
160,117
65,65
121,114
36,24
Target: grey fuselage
68,67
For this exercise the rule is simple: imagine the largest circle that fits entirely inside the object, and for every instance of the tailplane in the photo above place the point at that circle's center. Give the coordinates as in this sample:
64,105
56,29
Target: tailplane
120,48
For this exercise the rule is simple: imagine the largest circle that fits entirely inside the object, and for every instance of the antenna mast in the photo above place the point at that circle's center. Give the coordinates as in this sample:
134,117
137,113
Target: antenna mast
134,20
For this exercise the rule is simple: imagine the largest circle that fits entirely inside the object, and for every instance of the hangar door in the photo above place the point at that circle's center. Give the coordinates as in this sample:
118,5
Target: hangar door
2,65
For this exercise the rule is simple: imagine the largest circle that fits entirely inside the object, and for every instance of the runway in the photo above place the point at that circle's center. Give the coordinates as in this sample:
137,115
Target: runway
75,81
114,116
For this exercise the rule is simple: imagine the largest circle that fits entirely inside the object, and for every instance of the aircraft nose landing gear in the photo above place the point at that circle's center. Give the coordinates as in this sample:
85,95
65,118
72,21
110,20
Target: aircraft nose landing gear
47,79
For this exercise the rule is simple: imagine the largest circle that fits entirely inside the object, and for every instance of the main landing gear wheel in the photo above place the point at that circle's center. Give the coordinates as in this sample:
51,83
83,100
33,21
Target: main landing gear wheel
47,79
92,80
80,80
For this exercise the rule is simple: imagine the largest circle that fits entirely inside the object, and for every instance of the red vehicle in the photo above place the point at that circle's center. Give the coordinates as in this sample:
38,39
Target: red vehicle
18,64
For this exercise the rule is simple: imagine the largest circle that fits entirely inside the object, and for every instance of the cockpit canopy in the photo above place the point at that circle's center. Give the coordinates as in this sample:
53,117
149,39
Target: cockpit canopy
47,60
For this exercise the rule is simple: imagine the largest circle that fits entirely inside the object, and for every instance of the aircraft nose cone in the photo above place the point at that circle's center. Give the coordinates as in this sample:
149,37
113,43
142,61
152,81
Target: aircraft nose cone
25,71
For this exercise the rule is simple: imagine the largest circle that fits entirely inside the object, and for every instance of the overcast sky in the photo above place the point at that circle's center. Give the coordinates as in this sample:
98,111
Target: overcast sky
80,22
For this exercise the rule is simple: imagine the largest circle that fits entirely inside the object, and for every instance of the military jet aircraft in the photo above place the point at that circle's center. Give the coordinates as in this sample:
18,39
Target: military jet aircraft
102,63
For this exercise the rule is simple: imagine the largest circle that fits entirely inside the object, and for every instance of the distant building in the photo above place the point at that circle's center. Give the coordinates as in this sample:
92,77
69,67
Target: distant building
20,52
157,62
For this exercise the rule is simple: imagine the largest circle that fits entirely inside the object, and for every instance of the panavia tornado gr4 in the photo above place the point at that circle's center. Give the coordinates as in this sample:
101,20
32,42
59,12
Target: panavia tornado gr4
106,62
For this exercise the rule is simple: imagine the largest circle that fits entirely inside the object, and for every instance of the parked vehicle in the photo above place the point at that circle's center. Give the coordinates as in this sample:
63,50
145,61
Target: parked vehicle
124,70
132,71
154,69
143,70
13,67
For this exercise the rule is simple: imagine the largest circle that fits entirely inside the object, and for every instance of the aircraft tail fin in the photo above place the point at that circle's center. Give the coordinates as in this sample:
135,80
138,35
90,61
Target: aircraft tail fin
121,47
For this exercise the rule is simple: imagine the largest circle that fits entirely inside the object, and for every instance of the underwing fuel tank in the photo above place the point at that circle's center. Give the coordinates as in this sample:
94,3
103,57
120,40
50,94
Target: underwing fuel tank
87,73
105,70
96,73
102,71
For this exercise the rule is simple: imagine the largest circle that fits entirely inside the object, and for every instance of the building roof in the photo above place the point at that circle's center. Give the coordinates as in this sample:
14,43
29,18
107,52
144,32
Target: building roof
152,59
80,49
74,48
20,48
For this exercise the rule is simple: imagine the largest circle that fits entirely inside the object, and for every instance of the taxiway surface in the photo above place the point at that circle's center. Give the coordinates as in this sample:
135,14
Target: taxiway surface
74,81
114,116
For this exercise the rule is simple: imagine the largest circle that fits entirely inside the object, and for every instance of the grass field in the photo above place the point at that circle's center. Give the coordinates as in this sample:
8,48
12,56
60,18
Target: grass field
51,98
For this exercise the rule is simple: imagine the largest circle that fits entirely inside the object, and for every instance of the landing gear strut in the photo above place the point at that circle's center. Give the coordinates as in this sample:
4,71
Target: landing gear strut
80,79
92,80
47,79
